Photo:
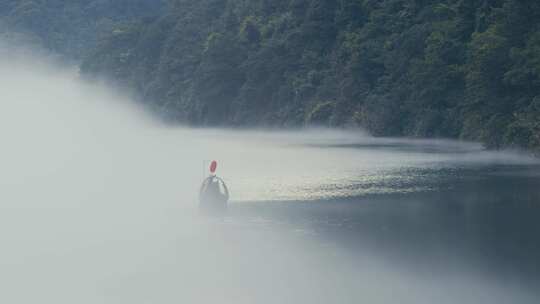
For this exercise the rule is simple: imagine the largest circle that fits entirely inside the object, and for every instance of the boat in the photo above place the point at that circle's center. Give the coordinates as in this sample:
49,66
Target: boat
214,194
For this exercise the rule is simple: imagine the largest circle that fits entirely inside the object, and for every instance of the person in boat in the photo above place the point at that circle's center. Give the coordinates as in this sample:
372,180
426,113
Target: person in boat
214,194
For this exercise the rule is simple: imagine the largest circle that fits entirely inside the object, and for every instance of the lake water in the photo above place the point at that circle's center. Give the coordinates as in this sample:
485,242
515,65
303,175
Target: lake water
468,228
451,223
98,205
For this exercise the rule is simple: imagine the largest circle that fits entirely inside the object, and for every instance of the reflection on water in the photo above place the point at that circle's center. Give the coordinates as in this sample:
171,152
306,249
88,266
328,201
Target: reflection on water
315,171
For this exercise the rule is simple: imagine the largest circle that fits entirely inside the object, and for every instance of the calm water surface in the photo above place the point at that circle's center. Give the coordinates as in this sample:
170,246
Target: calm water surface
448,213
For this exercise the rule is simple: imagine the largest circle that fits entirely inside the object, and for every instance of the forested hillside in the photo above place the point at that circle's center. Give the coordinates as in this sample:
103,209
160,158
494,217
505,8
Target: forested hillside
441,68
69,27
465,69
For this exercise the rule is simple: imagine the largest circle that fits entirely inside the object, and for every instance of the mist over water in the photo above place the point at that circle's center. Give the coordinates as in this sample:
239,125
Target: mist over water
98,205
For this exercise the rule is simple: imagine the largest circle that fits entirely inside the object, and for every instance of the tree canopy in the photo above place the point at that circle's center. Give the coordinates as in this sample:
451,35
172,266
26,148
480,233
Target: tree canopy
71,27
466,69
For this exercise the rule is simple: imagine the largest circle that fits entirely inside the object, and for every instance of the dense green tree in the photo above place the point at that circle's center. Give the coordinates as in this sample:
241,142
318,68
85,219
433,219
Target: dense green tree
465,69
72,27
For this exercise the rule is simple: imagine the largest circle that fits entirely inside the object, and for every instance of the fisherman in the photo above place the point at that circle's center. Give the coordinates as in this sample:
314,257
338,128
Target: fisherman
213,195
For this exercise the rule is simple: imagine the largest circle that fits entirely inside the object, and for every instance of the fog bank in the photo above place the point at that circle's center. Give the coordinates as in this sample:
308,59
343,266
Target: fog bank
98,205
